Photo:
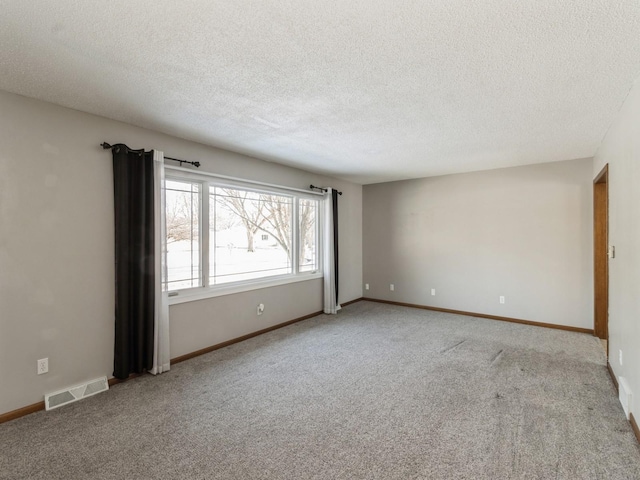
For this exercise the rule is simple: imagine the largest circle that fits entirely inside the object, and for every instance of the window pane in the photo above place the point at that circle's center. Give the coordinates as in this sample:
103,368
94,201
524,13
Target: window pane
183,246
250,235
308,212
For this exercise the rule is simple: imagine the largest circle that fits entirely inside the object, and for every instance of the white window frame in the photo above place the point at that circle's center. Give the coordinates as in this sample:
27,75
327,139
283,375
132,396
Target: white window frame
208,291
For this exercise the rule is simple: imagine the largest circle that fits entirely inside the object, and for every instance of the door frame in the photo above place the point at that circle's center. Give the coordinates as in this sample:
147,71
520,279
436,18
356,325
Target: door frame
601,255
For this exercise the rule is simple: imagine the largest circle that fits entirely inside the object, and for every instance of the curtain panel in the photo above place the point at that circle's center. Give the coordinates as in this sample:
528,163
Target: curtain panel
161,356
140,311
330,246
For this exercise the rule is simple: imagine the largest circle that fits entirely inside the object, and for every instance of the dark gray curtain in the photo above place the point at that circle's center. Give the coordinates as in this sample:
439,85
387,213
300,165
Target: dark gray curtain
334,199
133,179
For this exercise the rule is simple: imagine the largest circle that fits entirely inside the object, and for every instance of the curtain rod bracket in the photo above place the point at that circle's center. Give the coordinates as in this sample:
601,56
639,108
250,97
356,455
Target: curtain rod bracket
106,146
312,187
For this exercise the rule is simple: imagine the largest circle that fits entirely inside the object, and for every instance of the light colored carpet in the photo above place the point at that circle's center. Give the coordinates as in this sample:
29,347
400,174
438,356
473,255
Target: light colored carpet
376,392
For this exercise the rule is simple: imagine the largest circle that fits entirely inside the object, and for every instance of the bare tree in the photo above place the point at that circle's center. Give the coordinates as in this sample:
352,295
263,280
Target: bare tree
307,227
182,218
249,210
271,214
277,220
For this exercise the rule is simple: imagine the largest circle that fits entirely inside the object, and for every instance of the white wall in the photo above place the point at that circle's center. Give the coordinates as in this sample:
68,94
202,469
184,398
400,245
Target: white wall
621,150
56,249
523,232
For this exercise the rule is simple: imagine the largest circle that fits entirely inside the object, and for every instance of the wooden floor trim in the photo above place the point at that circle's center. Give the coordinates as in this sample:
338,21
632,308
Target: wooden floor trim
483,315
218,346
21,412
613,376
634,425
352,301
36,407
115,381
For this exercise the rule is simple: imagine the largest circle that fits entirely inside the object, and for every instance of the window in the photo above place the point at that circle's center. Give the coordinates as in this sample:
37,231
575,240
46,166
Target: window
308,218
247,235
238,216
183,239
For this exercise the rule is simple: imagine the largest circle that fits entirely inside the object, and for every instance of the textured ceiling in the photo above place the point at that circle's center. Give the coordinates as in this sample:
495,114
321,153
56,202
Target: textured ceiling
368,91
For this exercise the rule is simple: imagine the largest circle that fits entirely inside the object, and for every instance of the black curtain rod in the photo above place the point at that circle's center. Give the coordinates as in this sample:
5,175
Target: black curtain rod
322,189
195,164
106,146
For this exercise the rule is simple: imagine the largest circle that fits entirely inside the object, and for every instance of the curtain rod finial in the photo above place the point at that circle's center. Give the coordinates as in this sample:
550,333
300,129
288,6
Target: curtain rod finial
105,145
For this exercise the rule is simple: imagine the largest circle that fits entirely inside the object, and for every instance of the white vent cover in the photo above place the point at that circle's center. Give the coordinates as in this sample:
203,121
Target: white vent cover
624,394
73,394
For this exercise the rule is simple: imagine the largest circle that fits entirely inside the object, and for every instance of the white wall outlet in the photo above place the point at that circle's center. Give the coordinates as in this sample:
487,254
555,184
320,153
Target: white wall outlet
501,298
43,366
433,291
392,287
620,357
366,286
260,309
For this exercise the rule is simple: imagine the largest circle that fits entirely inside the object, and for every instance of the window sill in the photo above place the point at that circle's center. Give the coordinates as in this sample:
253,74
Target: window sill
194,294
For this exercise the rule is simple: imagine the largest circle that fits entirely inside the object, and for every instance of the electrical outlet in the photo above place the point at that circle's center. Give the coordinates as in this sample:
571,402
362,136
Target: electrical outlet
502,299
433,291
620,357
366,286
392,287
261,309
43,366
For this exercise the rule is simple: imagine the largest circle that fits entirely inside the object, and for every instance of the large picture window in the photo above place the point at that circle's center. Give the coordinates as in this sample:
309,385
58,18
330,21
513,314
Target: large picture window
223,235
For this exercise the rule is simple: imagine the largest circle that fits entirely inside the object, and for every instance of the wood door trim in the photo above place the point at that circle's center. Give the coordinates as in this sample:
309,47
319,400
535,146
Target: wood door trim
600,178
600,255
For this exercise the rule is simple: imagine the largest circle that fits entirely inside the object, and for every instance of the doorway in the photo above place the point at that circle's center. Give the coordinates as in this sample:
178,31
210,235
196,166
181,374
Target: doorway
601,256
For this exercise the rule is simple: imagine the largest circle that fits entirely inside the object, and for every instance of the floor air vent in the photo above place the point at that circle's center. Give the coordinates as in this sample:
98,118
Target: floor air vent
73,394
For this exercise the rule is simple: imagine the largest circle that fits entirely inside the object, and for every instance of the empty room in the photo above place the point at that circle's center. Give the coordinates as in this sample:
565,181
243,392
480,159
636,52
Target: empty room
319,240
